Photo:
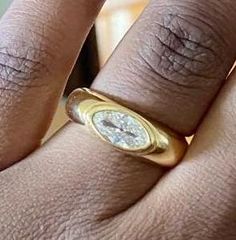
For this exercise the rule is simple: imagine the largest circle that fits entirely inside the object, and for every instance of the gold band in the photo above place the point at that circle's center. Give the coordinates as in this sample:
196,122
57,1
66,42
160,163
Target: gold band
124,129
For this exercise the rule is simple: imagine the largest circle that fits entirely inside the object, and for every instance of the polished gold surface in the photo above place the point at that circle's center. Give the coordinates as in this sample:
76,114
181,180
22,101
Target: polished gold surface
124,129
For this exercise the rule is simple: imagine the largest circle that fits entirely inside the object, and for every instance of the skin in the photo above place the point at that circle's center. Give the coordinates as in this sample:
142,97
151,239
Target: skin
172,66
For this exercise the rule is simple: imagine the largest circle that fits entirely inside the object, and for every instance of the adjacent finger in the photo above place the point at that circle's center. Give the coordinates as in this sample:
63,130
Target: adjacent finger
39,43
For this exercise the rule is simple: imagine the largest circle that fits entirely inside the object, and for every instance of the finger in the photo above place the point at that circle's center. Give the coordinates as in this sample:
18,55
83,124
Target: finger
99,182
39,43
173,62
178,87
199,195
130,80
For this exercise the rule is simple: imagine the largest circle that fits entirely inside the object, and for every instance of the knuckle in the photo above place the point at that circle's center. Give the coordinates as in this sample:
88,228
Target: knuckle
183,50
22,67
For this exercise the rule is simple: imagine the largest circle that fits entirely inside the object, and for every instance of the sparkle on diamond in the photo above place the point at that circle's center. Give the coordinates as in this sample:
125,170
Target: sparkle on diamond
120,129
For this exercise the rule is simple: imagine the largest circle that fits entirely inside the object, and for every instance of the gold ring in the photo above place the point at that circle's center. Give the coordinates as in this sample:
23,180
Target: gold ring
125,129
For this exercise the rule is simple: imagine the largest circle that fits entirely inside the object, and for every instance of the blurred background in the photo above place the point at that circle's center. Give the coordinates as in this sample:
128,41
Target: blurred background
115,19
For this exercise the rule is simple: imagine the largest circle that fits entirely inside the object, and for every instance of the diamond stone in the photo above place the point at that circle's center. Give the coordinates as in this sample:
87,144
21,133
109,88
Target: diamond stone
120,129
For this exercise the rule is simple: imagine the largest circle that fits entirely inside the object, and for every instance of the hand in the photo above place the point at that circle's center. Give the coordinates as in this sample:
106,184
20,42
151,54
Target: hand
169,67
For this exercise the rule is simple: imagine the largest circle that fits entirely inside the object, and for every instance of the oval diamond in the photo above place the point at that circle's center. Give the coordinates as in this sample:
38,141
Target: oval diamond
121,129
